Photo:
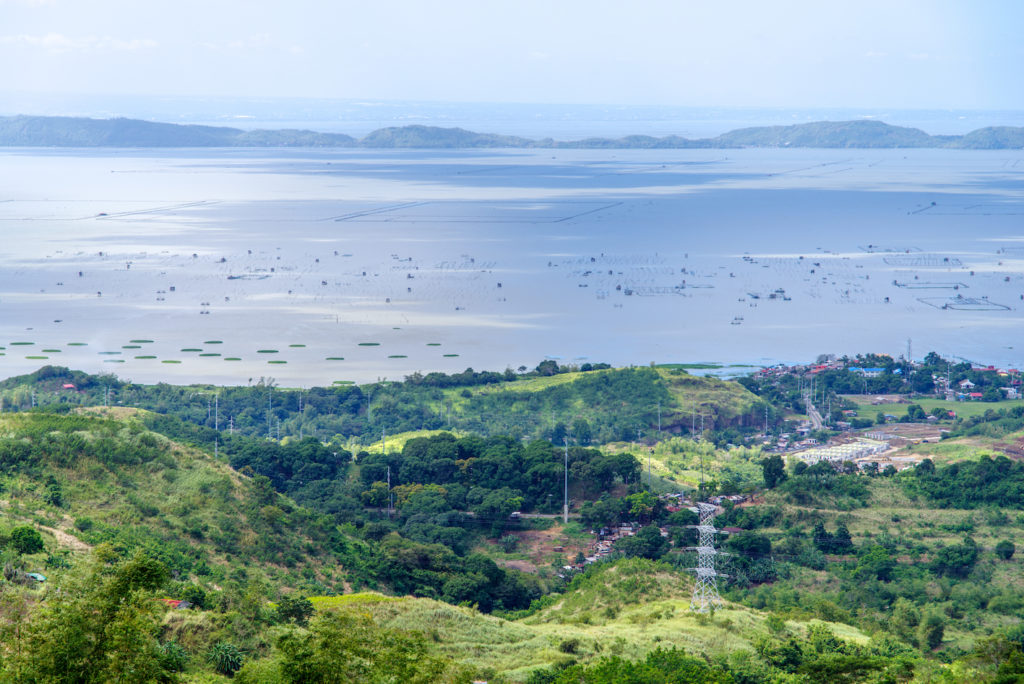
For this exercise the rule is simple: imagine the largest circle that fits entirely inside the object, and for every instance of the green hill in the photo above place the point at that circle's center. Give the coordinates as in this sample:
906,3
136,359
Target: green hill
599,406
627,609
101,478
594,406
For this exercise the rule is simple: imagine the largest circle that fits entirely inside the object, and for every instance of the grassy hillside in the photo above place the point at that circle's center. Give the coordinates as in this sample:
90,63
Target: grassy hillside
594,406
679,461
626,609
910,557
606,405
101,478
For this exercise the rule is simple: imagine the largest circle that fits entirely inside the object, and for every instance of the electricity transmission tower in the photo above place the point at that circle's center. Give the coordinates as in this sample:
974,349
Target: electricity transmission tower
705,589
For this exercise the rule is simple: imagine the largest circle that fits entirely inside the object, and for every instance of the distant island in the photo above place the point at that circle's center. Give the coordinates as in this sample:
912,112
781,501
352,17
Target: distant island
51,131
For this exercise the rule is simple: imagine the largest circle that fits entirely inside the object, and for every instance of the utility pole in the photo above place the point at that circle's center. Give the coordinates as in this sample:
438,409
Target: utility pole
659,418
389,492
766,420
565,504
702,473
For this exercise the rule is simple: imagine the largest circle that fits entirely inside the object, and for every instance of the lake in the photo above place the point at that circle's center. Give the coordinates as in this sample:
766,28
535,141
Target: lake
316,266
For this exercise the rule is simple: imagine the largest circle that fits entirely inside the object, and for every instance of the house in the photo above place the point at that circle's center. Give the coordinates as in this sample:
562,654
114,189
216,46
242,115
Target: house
974,396
966,384
869,372
1011,392
176,603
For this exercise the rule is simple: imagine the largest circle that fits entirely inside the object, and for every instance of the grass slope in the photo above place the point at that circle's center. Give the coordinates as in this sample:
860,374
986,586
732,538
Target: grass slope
613,402
627,609
913,530
121,484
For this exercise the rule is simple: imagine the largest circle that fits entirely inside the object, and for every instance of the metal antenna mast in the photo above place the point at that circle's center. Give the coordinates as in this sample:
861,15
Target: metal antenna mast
705,589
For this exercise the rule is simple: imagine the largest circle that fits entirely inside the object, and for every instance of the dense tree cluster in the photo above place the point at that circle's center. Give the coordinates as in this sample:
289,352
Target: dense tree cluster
494,476
985,482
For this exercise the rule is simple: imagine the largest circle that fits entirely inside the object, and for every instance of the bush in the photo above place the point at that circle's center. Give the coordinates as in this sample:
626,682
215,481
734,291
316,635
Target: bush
569,646
25,540
225,658
1005,549
173,657
297,610
195,595
931,631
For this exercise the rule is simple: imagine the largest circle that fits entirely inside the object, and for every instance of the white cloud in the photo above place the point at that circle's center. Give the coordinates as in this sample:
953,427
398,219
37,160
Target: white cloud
59,43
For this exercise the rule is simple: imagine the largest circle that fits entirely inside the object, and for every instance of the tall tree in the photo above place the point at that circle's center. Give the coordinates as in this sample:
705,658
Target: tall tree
774,470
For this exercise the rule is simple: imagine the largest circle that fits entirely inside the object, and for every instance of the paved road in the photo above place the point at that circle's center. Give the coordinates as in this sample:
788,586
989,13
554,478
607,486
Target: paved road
816,422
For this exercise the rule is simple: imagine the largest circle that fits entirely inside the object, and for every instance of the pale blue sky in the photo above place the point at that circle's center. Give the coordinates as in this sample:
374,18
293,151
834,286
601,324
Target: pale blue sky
789,53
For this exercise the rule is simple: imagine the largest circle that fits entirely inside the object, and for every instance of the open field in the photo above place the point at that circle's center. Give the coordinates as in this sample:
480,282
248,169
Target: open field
964,409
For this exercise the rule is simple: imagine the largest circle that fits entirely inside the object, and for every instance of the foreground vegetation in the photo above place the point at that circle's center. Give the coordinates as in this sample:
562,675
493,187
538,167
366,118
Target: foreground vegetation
302,559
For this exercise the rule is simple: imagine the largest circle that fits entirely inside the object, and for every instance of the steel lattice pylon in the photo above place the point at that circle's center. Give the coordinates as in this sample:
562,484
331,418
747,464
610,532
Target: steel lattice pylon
705,589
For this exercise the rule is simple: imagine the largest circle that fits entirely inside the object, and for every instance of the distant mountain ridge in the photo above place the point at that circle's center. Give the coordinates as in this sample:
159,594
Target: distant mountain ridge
50,131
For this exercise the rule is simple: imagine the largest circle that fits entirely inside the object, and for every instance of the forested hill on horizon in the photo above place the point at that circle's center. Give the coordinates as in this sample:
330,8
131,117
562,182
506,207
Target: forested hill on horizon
49,131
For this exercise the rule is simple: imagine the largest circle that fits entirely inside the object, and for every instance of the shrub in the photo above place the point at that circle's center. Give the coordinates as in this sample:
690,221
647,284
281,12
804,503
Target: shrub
294,609
195,595
509,543
225,658
569,646
25,539
173,657
931,631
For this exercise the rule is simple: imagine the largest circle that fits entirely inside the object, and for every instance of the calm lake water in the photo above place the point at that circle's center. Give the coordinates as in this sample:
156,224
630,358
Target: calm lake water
403,261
